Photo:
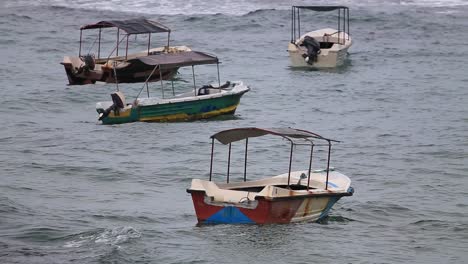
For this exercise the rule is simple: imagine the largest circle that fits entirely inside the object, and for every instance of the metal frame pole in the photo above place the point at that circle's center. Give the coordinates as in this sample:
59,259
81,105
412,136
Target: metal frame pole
292,24
168,39
81,39
194,86
149,43
310,164
118,37
219,79
339,24
172,84
99,44
161,79
126,48
290,162
344,25
328,163
147,89
298,22
294,19
245,159
211,163
348,22
229,163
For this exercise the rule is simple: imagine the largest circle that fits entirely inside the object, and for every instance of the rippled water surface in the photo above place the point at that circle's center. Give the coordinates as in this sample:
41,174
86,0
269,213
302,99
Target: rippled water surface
73,190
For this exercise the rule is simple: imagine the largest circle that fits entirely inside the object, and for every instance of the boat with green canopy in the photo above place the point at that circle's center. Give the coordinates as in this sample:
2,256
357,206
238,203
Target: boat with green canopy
201,102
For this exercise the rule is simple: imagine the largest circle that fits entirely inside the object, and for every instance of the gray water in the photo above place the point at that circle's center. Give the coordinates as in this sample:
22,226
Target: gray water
73,190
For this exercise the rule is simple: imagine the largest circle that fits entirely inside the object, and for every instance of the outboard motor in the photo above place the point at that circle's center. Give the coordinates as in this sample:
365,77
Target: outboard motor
118,100
313,49
89,62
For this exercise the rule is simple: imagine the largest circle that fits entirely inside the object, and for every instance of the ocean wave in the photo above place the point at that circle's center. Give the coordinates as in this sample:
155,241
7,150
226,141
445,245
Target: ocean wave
191,7
115,236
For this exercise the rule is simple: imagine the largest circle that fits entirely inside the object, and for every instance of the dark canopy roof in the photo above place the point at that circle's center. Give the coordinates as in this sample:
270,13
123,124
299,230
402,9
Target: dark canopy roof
131,26
321,8
236,134
179,59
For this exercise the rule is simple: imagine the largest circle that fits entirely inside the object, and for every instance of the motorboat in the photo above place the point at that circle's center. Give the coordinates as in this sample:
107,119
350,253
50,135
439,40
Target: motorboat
303,195
201,102
322,48
91,66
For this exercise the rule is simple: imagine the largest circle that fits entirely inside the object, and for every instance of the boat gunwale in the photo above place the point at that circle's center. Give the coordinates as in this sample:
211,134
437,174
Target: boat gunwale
289,197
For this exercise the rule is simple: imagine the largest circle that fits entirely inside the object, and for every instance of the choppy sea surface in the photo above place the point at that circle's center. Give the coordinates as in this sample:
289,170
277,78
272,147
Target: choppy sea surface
75,191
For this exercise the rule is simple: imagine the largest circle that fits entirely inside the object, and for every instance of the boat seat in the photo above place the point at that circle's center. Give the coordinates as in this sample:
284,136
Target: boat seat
226,196
204,90
74,61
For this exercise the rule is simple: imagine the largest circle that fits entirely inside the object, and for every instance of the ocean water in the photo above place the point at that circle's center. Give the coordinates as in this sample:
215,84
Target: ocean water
75,191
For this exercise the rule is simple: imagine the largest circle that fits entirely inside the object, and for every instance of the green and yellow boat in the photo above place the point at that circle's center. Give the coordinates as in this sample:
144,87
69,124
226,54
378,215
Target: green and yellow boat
201,102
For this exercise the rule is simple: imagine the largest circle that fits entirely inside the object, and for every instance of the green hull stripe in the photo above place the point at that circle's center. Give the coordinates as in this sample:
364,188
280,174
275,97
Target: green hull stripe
189,110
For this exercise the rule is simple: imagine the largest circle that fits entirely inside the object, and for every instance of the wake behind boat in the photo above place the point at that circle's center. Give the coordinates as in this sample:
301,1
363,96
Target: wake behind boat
290,197
202,102
324,48
87,68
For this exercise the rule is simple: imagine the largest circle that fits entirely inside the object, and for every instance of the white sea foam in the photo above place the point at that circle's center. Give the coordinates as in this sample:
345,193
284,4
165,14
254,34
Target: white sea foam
115,236
196,7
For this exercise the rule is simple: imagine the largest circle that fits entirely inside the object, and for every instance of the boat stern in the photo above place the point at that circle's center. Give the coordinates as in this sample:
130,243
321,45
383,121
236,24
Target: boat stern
331,50
80,72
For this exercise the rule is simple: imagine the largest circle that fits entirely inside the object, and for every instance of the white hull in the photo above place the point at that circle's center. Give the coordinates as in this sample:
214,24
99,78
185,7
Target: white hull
331,57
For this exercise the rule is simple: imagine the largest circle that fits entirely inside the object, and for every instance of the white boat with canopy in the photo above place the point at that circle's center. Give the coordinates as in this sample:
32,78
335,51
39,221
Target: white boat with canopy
323,48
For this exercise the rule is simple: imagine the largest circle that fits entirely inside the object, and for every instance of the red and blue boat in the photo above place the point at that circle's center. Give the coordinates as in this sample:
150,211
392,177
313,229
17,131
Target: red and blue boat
305,195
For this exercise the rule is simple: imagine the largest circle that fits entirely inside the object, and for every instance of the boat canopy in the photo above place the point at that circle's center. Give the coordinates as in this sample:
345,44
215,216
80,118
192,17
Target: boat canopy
179,59
322,8
343,20
131,26
236,134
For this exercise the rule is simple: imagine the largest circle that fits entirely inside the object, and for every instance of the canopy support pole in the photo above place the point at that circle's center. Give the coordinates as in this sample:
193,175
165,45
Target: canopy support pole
347,11
146,82
149,43
344,25
290,163
118,36
160,78
310,164
219,79
172,83
81,39
147,89
194,86
245,159
328,164
211,163
168,39
293,23
126,48
99,45
339,24
115,75
298,22
229,162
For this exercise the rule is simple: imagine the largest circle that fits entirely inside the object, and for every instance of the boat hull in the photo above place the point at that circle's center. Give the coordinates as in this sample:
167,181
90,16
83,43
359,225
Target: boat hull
266,211
133,72
329,57
118,69
200,107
